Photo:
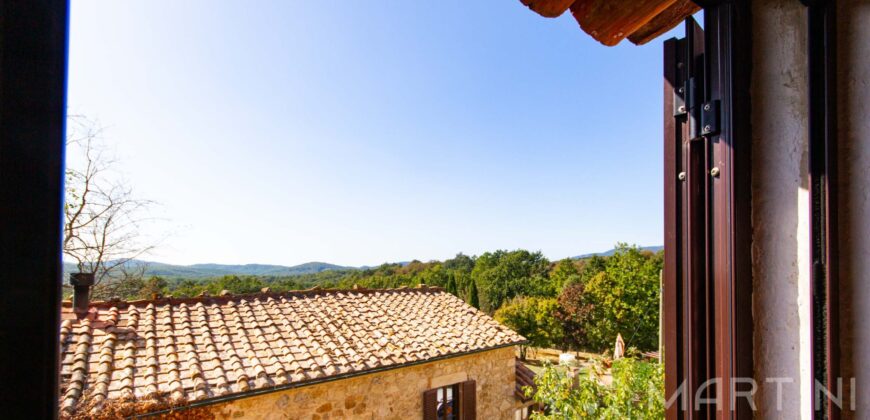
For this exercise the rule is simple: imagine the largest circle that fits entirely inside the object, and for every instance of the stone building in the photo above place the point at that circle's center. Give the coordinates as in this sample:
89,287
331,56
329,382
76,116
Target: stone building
410,353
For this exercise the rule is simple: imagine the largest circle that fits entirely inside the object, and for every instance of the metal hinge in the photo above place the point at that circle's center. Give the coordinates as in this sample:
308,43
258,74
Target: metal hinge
710,118
684,97
680,101
703,119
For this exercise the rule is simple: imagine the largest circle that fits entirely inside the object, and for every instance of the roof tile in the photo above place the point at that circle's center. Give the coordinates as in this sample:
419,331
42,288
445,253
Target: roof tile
209,346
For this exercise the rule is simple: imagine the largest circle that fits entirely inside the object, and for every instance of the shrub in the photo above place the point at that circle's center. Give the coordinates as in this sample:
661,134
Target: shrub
532,318
636,392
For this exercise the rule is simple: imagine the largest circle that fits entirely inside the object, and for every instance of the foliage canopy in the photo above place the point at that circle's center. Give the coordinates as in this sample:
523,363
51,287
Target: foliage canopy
636,392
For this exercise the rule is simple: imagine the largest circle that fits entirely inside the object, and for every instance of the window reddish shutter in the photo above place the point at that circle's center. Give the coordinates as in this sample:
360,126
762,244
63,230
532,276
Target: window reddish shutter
708,272
430,404
468,401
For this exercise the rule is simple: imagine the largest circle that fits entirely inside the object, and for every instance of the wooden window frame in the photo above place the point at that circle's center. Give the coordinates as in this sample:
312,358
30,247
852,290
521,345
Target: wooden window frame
465,398
707,276
453,392
707,273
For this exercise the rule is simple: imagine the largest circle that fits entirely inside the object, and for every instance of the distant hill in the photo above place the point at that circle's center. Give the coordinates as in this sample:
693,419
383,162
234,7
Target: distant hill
610,252
214,270
217,270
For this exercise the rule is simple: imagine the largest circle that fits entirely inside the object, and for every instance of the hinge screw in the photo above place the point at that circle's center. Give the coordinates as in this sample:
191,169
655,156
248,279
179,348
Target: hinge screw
681,108
706,107
714,171
682,176
707,128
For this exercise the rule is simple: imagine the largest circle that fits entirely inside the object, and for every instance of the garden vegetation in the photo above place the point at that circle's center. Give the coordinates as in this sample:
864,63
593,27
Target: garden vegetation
571,304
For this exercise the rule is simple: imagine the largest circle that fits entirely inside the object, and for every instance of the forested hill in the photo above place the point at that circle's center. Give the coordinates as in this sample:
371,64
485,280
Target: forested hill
612,251
201,271
198,271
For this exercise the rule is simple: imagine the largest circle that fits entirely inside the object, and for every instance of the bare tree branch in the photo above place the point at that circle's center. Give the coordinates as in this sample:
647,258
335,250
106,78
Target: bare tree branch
102,216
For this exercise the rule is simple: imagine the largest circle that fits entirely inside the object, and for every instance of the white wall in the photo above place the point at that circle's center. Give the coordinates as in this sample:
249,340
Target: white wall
780,208
780,213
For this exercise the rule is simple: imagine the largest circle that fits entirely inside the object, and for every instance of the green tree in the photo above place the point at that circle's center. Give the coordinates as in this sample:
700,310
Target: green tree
460,268
236,285
433,274
189,287
623,298
592,266
502,275
473,298
153,286
564,273
460,262
451,285
534,319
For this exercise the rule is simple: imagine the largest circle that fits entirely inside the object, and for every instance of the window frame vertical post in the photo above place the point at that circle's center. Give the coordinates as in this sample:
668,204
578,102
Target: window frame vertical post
707,275
33,53
822,129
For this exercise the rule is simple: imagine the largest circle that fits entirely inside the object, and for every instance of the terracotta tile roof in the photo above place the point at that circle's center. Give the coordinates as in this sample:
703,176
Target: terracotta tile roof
525,377
611,21
200,348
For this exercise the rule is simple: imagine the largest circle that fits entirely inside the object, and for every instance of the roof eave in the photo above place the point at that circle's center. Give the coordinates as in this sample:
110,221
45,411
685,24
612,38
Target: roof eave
300,384
611,21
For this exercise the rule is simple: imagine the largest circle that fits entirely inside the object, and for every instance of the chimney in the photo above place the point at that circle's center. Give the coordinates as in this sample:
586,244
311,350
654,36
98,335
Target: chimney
81,283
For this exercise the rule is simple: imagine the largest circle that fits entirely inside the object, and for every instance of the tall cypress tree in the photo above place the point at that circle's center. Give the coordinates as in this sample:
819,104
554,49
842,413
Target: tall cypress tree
473,300
451,285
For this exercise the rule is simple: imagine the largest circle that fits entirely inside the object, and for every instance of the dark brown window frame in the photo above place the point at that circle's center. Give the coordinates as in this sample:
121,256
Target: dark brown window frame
445,394
707,274
464,396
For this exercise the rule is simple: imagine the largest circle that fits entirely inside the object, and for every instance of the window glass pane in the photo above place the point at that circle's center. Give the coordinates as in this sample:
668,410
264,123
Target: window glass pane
447,405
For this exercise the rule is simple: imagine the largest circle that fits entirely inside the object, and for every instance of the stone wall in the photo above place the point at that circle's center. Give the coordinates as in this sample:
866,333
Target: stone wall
391,394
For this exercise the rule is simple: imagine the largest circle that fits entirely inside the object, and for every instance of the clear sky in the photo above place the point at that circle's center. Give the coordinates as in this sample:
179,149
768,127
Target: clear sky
360,132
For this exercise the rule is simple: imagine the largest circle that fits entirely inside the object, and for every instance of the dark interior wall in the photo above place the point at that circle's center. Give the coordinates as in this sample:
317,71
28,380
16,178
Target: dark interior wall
33,45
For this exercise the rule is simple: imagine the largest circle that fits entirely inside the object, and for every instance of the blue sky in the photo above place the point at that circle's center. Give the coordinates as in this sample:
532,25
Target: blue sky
362,132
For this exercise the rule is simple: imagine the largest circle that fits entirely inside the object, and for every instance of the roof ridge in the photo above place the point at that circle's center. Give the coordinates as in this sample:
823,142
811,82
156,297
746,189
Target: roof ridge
226,296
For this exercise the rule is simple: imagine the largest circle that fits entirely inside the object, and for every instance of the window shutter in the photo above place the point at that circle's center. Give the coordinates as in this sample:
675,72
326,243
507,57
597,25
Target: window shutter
468,401
430,404
707,277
